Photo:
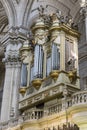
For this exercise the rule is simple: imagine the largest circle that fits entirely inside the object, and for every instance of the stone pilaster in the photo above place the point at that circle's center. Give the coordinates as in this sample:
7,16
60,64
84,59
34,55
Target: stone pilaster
83,12
11,91
15,85
12,62
5,111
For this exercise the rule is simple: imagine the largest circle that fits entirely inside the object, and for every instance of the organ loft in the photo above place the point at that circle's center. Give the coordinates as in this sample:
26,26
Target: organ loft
45,83
49,72
43,64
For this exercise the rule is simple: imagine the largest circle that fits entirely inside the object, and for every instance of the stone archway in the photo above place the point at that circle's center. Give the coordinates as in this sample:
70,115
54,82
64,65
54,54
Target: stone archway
3,31
24,12
70,7
10,11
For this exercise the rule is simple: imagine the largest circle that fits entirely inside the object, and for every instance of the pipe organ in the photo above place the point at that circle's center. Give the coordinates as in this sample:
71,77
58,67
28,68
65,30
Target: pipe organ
24,75
50,62
38,61
55,57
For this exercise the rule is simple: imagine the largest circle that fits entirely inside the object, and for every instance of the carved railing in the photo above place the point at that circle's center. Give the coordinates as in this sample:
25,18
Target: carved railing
34,114
76,99
59,106
63,127
79,98
54,109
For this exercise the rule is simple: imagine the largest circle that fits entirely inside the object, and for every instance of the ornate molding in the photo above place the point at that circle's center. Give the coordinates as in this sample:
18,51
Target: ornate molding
46,94
12,42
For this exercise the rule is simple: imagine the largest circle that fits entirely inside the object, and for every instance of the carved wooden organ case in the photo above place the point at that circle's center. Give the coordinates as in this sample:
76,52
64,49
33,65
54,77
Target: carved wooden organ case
51,57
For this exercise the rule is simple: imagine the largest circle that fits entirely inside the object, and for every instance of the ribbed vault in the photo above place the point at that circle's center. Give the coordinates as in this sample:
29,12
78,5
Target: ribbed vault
3,18
68,7
10,10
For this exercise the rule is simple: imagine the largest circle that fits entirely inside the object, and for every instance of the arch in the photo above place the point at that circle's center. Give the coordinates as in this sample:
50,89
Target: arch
10,11
24,11
27,12
71,7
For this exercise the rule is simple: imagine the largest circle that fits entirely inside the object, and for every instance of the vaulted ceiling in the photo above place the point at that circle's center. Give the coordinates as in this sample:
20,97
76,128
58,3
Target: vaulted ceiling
71,7
24,12
67,7
3,18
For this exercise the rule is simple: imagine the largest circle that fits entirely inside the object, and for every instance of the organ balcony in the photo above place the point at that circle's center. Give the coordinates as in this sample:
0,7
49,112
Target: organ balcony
50,63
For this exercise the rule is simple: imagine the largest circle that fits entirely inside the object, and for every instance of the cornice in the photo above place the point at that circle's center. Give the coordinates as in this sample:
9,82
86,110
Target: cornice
46,94
67,29
12,38
15,34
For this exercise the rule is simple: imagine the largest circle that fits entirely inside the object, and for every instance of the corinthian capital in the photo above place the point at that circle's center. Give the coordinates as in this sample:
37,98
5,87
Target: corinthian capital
12,53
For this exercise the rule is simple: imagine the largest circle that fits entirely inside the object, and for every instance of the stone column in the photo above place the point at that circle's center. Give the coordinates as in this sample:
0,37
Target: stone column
11,90
5,111
12,62
12,82
16,85
83,12
86,24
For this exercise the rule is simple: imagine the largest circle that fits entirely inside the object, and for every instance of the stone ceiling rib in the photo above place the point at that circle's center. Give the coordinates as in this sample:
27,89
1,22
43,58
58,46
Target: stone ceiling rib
68,7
